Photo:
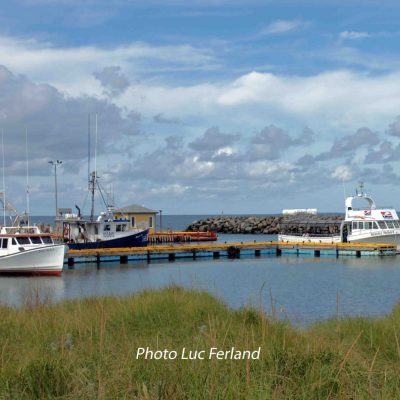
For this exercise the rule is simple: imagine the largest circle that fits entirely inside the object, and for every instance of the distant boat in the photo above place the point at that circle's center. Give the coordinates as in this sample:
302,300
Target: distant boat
368,224
25,250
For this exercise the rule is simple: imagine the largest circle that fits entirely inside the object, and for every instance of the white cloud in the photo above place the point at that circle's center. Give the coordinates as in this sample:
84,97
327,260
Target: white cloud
271,169
336,99
342,173
174,189
353,35
225,151
71,68
282,26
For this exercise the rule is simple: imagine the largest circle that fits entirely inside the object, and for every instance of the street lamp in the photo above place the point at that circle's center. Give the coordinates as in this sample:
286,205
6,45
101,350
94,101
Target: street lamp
56,164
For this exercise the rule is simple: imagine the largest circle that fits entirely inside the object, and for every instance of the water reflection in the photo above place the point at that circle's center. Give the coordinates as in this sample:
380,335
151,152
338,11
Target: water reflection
303,289
23,290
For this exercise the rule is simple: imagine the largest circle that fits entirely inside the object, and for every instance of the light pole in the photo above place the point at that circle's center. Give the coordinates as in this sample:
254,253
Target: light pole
56,164
160,221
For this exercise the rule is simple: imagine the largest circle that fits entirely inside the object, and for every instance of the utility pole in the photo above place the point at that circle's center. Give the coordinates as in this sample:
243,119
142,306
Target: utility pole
56,164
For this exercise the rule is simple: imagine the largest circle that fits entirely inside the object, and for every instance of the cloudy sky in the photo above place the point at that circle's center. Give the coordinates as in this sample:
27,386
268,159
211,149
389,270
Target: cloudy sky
203,106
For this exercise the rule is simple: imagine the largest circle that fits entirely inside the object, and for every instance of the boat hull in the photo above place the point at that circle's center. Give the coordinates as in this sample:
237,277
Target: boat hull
139,239
46,260
378,239
308,239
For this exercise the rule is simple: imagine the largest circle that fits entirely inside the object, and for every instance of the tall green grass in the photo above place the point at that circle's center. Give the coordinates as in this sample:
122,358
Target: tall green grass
85,349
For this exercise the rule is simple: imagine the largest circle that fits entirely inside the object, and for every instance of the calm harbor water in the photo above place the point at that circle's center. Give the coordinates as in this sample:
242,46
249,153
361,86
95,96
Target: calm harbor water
303,289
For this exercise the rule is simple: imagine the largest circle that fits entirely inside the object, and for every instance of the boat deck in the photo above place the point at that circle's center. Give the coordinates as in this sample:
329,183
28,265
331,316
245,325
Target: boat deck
232,250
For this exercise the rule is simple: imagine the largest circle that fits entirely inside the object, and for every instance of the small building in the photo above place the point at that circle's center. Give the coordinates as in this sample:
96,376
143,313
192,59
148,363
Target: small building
138,216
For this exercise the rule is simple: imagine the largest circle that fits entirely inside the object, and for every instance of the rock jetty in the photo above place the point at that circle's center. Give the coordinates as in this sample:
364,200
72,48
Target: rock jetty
300,223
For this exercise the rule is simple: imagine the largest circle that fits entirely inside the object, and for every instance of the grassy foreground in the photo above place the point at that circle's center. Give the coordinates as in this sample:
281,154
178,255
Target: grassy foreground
86,349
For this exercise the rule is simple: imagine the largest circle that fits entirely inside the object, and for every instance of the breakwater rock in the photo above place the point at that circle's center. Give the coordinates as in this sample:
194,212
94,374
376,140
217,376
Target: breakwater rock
268,224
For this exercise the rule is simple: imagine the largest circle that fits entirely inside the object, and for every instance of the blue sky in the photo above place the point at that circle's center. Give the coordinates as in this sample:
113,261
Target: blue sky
203,106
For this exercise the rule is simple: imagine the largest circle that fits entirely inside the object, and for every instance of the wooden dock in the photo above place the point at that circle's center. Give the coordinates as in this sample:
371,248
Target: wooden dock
231,250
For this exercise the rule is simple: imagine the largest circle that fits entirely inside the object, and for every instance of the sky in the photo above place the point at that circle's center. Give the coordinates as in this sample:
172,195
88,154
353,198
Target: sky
202,107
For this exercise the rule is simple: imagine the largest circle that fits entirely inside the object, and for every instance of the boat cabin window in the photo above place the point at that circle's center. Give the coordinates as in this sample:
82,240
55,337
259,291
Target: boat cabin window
360,225
47,240
14,241
107,228
35,240
396,224
133,222
4,243
123,227
390,224
368,225
382,224
375,225
23,240
119,228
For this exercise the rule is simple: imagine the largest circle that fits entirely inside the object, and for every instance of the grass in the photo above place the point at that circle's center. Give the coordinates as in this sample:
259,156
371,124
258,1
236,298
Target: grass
85,349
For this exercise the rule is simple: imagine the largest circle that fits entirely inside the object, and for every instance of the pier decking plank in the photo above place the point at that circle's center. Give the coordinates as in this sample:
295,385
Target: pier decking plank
233,250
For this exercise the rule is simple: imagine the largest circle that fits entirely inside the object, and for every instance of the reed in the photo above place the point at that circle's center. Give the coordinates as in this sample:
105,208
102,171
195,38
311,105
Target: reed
86,349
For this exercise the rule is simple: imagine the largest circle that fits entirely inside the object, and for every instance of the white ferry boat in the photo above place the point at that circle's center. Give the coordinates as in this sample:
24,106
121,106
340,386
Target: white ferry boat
25,250
360,225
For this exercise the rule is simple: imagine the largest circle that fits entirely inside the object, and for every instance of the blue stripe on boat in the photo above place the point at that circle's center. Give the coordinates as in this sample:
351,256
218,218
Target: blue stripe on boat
135,240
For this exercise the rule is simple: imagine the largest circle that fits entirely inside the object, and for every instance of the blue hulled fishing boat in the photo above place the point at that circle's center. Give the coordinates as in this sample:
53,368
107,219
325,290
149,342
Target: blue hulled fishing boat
105,231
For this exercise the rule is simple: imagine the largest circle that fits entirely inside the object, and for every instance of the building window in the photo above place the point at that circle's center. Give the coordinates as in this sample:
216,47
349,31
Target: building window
133,222
150,222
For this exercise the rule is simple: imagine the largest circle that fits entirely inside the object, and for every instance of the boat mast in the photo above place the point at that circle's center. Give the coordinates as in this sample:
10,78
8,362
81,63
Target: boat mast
4,180
88,168
95,147
27,174
93,175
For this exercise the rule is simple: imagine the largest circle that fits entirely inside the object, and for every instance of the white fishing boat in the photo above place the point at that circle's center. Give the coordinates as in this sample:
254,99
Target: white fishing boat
368,224
25,250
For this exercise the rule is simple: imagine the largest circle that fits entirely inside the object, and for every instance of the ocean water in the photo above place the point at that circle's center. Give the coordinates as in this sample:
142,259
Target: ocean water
300,289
